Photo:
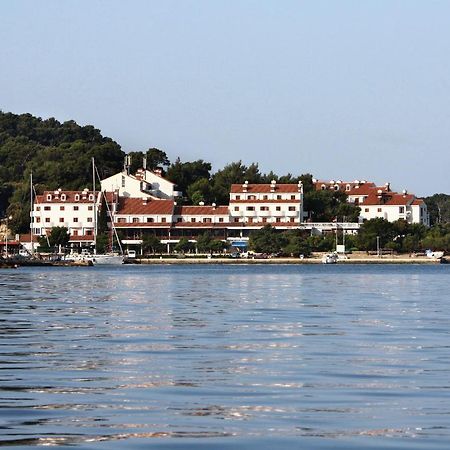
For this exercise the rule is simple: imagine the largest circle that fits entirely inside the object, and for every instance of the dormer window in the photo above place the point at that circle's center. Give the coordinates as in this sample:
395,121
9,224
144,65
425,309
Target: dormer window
63,197
91,197
323,187
77,197
49,197
347,188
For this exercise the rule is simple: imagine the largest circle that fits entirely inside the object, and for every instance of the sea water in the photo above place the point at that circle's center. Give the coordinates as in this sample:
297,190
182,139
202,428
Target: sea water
232,356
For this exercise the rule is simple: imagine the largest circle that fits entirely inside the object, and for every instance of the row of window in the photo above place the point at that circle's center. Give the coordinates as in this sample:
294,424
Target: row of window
63,197
198,220
63,208
61,219
401,210
264,197
264,208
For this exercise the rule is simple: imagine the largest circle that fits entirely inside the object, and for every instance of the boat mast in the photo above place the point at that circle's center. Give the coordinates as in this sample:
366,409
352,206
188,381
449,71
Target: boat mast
31,212
94,206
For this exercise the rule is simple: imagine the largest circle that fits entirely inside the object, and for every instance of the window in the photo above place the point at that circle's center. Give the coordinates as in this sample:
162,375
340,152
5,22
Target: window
264,208
278,220
150,219
264,219
90,207
135,220
347,188
47,219
49,197
123,181
278,208
61,208
47,208
163,219
89,219
250,208
401,209
336,187
63,197
323,187
91,197
292,197
251,197
61,219
366,209
121,220
38,208
238,197
179,220
77,197
292,219
192,219
378,209
38,219
236,208
292,208
236,219
220,219
75,219
278,197
76,208
265,197
207,220
89,233
75,233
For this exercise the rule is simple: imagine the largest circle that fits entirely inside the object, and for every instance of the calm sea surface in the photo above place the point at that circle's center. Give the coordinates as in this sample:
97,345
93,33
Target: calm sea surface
248,357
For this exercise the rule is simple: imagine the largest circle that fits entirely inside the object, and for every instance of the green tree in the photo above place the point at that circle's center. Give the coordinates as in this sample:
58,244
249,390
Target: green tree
184,246
151,244
296,244
185,174
156,158
266,240
373,229
59,236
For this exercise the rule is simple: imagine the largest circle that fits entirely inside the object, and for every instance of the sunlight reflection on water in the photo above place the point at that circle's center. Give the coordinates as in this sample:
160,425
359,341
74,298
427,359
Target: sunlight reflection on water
335,357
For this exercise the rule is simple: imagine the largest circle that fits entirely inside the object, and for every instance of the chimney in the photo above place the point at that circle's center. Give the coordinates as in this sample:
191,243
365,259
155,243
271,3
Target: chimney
244,186
272,185
213,206
144,200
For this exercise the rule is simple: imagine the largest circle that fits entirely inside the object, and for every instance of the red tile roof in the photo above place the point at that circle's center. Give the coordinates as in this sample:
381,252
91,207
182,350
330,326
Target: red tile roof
388,199
128,205
365,189
70,197
264,188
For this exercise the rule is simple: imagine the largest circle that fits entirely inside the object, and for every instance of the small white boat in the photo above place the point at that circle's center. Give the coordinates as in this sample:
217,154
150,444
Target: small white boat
330,258
107,259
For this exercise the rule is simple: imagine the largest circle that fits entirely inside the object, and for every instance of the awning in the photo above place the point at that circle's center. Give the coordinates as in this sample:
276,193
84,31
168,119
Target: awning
239,244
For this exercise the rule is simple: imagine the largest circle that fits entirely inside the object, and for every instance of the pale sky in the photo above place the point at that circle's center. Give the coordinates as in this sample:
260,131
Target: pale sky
341,89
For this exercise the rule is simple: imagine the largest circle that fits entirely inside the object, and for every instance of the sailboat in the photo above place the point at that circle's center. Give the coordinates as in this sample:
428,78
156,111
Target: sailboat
110,258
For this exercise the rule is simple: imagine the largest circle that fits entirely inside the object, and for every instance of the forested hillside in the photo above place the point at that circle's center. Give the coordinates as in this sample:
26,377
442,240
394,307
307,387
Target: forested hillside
59,154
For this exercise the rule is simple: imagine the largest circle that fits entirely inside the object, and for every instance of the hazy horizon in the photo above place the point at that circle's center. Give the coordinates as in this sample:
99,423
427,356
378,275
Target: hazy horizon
343,90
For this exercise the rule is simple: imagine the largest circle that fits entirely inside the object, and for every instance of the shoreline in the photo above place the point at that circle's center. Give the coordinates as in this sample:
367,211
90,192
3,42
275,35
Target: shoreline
274,261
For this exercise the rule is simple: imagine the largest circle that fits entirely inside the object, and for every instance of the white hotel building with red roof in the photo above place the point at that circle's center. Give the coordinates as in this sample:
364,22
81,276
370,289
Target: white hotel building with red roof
380,201
146,203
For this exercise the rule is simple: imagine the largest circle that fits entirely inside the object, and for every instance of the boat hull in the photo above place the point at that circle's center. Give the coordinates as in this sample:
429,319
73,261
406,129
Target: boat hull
101,260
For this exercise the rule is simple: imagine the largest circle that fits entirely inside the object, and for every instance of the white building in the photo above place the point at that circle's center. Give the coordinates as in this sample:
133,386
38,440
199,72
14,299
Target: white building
71,209
393,206
274,204
144,184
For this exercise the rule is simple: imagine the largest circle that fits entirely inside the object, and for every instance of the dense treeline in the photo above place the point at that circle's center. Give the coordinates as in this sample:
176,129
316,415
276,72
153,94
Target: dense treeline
59,154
